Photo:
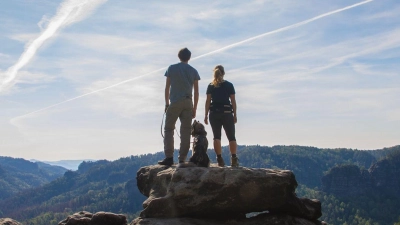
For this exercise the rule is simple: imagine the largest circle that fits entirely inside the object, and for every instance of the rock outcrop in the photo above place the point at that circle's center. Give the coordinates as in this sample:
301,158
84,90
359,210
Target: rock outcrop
350,180
222,194
99,218
385,175
8,221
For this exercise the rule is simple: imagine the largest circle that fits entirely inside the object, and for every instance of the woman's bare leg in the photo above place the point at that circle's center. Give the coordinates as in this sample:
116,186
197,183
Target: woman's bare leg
217,147
218,152
234,159
233,147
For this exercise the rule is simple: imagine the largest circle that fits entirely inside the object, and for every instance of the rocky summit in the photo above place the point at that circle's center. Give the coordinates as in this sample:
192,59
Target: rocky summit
185,195
215,195
100,218
8,221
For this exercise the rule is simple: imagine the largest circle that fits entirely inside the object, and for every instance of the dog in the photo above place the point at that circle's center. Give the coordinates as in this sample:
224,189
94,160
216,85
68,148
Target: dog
200,145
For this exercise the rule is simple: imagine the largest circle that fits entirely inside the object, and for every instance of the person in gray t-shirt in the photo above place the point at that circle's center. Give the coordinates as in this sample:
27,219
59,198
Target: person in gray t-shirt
181,80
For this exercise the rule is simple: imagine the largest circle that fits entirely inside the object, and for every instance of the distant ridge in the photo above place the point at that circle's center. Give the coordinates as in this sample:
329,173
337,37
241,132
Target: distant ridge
67,164
17,174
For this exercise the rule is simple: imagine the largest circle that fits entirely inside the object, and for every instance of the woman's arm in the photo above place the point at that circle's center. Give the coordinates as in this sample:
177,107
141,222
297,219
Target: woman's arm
195,97
207,108
234,106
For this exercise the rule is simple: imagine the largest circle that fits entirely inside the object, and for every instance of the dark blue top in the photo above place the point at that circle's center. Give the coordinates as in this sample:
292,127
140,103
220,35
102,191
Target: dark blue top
220,95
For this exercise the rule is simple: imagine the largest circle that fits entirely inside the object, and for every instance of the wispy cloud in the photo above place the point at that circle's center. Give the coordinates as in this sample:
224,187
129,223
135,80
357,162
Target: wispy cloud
386,14
284,28
209,53
309,60
70,11
4,55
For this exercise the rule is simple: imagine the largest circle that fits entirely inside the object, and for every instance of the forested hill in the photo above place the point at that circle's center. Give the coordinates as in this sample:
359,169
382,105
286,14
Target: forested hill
19,174
111,185
354,195
308,163
382,153
96,186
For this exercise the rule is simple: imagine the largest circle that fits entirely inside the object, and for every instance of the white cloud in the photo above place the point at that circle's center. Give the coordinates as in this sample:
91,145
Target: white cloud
385,14
139,97
4,55
368,69
31,81
112,44
23,37
69,12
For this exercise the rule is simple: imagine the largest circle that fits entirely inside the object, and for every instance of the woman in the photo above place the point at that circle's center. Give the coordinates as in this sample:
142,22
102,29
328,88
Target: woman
221,104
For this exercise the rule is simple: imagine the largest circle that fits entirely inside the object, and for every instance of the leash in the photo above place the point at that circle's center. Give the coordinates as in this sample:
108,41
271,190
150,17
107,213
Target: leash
162,124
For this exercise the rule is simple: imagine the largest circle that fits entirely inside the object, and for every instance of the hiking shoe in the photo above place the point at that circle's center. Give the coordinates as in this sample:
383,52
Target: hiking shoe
166,162
220,161
234,162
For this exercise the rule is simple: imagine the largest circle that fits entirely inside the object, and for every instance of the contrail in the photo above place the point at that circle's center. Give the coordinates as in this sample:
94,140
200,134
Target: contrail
211,53
284,28
70,11
92,92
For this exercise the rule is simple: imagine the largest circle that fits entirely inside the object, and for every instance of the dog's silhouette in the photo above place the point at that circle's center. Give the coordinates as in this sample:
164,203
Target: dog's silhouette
200,145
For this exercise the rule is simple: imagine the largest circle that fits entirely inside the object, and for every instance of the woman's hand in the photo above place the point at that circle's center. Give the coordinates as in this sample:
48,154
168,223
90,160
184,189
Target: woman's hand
235,118
206,120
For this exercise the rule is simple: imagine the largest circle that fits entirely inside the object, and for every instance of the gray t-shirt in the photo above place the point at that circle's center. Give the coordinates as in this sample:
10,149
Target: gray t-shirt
182,77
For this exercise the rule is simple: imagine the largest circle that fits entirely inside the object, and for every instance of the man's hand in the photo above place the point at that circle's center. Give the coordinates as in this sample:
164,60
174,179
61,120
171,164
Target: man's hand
206,120
194,113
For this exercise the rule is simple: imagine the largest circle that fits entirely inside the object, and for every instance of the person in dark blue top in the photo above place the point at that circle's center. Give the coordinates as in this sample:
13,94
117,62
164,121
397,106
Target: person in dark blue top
221,106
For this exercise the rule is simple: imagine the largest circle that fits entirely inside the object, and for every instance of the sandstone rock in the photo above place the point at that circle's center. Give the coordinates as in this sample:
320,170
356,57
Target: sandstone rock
99,218
259,220
385,175
220,192
350,180
347,180
8,221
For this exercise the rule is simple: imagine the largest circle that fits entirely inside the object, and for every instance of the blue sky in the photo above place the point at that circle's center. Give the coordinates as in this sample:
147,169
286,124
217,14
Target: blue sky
329,82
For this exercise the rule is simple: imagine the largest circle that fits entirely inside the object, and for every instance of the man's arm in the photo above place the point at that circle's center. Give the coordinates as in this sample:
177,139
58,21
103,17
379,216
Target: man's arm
196,97
167,87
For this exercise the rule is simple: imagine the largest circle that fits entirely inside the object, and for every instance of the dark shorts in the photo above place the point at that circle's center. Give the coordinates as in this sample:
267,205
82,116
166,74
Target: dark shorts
219,120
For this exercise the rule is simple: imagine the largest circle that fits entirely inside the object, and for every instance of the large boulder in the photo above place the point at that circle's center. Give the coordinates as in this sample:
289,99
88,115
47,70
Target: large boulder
8,221
216,192
99,218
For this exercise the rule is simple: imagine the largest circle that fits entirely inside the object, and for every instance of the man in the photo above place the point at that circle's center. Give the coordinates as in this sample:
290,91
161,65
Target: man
181,80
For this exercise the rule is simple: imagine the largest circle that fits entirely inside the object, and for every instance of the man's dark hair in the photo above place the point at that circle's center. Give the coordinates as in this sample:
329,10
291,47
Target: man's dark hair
184,54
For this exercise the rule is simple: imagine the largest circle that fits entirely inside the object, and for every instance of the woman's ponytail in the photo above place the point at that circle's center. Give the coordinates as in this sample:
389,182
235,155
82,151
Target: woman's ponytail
219,73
